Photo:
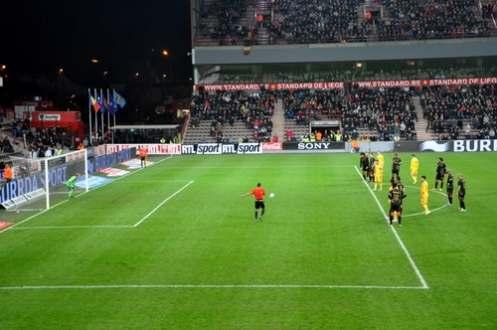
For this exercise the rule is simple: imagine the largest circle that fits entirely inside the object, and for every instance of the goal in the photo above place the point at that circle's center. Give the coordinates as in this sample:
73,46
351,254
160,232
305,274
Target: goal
39,184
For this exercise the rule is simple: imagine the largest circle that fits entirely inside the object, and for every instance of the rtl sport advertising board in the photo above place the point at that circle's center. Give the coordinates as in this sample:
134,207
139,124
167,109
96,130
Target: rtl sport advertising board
221,149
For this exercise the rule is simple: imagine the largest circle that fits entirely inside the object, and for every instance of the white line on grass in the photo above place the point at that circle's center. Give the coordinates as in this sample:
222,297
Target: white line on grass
74,227
205,286
32,217
263,167
142,220
77,196
424,284
422,213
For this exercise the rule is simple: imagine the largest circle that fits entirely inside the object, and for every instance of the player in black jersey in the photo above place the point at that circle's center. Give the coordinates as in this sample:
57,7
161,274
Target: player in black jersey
441,171
364,164
372,161
396,162
450,186
396,197
461,193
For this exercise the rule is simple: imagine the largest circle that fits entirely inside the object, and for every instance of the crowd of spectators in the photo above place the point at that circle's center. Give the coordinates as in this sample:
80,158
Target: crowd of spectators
317,21
221,22
380,114
46,142
307,105
453,112
389,113
222,108
335,21
432,19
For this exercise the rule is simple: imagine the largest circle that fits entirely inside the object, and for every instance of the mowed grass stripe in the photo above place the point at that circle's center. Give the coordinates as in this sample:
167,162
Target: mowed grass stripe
322,226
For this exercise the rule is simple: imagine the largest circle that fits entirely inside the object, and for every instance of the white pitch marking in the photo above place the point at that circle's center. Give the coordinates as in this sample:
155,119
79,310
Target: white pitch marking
162,203
206,286
422,213
77,196
394,231
432,211
73,227
263,167
32,217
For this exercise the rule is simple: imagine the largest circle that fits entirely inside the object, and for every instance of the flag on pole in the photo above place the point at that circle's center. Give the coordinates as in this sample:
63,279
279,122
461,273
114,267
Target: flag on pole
112,106
95,104
119,100
101,103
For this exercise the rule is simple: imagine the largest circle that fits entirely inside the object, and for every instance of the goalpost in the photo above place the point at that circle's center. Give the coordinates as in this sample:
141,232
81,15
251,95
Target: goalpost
59,169
40,183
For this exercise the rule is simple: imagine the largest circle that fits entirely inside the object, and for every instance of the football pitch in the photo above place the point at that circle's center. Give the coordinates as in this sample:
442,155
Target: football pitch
176,246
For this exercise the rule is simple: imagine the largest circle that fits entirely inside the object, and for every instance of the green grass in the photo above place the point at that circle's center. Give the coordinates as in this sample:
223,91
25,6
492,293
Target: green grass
322,228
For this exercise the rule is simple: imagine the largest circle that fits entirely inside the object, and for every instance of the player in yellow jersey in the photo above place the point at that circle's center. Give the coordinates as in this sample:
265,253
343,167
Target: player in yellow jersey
381,160
378,176
424,195
414,168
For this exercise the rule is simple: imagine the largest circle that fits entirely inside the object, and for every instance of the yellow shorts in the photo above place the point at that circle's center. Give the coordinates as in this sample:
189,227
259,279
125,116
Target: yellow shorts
414,172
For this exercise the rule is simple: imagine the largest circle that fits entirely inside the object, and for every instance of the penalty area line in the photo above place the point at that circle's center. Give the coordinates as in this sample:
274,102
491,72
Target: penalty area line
77,196
148,215
415,268
205,286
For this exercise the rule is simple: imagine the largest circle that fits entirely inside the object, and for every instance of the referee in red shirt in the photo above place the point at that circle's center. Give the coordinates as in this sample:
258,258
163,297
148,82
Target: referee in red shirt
259,194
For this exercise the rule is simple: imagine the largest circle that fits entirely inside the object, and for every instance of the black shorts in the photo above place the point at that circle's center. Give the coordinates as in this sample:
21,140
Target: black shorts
143,158
461,196
396,171
395,208
259,205
450,192
440,176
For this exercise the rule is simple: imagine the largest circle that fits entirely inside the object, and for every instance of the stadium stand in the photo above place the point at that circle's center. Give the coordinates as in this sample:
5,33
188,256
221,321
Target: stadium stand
379,114
444,112
231,116
333,21
464,111
225,22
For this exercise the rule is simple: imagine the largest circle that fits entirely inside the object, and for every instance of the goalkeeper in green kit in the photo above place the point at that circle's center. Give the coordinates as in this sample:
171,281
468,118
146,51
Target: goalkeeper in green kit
71,184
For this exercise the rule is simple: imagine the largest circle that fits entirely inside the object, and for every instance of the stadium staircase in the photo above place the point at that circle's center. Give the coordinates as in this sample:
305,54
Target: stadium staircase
279,120
421,123
202,133
264,7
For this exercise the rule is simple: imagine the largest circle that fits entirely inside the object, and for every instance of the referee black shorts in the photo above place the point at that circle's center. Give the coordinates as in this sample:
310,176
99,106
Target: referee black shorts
259,205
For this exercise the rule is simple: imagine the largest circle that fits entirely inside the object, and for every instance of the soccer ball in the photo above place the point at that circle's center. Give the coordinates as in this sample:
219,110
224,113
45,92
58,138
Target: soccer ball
271,195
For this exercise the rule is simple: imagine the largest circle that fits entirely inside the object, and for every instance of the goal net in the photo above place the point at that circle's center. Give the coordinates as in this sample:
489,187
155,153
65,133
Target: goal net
39,184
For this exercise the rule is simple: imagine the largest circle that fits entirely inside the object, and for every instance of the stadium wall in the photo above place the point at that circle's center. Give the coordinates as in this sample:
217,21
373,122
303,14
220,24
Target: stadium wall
347,52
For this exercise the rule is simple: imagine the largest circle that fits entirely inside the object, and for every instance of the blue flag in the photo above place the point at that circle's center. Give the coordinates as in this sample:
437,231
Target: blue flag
112,107
119,100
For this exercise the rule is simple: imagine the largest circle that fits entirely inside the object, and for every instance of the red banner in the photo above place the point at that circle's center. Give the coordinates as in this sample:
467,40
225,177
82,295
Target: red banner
70,120
361,84
272,146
